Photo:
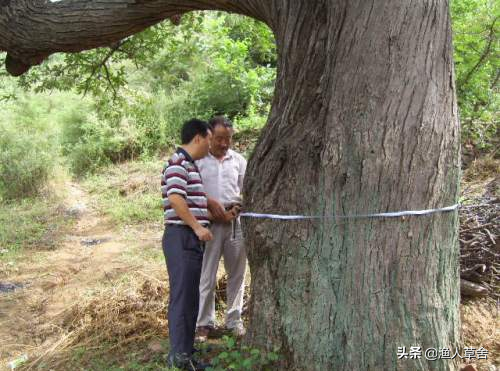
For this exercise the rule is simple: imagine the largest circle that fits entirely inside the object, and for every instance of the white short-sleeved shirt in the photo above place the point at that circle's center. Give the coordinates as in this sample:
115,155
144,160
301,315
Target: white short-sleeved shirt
223,179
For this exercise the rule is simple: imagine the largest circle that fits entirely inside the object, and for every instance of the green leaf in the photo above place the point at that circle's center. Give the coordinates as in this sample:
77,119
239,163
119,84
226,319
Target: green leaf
272,356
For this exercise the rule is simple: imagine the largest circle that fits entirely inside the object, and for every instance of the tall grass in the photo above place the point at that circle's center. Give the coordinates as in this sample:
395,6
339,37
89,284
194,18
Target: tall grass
29,147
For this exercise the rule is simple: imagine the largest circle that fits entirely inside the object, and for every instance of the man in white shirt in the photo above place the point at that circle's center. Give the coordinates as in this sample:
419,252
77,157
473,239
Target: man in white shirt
222,172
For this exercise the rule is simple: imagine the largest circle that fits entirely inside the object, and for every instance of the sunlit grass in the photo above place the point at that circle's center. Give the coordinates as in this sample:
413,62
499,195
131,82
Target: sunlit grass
128,193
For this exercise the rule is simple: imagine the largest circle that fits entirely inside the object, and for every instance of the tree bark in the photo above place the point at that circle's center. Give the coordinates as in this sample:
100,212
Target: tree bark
364,120
31,30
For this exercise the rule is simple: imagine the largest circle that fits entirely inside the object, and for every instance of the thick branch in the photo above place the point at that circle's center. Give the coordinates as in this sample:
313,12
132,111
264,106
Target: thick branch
31,30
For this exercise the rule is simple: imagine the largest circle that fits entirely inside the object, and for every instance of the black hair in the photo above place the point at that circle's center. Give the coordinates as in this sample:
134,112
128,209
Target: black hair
192,128
220,120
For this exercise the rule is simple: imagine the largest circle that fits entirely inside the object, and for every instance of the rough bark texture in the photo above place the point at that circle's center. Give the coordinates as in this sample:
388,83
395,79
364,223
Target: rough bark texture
31,30
364,120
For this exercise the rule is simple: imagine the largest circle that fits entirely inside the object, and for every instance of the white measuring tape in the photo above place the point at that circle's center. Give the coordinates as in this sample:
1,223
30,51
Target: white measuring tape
394,214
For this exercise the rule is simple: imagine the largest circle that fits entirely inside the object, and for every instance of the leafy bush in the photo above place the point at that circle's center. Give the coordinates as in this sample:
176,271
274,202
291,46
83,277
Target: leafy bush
28,147
92,143
26,162
243,359
208,65
91,140
476,50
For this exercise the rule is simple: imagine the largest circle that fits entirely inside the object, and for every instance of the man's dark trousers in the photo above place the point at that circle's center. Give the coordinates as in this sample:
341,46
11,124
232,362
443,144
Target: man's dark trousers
184,255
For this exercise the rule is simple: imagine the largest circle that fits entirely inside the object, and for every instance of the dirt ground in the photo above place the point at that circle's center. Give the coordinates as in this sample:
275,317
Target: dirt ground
93,255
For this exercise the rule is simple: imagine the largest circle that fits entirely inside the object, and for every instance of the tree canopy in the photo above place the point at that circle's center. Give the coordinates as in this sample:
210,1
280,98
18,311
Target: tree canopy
173,49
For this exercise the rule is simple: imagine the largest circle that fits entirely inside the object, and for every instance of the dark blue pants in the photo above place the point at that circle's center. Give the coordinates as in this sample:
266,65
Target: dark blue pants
184,256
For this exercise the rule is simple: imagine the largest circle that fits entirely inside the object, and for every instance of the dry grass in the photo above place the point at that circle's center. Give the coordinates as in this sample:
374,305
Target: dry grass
481,180
480,328
130,314
120,316
481,169
129,193
133,313
130,178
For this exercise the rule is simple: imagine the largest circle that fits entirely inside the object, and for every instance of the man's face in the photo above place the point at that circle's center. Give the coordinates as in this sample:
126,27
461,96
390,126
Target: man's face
221,140
204,144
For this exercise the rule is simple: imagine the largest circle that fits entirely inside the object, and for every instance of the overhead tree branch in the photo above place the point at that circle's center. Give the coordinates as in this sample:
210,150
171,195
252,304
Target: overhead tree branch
103,64
31,30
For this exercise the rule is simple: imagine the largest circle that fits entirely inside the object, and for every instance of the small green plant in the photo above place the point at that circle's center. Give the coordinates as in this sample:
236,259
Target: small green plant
243,358
104,359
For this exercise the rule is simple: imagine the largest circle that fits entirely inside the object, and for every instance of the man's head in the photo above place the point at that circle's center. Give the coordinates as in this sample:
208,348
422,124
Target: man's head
195,135
222,136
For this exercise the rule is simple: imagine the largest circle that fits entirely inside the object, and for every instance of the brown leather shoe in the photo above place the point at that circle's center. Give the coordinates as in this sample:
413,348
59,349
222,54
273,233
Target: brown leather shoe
468,368
202,334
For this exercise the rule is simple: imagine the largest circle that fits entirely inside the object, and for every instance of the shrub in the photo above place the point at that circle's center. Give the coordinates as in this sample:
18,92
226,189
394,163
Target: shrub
26,162
90,142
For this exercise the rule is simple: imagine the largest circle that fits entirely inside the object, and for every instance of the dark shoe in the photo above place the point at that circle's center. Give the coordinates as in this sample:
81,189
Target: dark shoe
204,348
186,363
200,366
178,360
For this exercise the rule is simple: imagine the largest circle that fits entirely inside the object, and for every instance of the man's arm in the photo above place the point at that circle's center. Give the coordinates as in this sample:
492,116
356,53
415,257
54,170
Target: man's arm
181,208
217,213
216,209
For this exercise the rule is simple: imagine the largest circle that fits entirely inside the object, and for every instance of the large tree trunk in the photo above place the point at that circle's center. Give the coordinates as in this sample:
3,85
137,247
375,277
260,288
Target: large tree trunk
364,120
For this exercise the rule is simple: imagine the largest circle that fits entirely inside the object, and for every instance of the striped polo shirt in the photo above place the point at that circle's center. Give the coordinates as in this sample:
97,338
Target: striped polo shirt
181,176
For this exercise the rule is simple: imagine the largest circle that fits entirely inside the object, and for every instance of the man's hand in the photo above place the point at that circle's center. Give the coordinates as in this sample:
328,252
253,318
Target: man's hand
216,209
228,217
180,206
203,233
235,210
231,214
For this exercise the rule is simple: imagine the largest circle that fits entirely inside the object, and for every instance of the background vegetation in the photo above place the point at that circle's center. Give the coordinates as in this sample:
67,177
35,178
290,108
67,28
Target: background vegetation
86,111
477,71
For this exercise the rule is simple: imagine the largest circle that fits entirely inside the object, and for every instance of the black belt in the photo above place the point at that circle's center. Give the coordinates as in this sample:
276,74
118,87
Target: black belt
184,225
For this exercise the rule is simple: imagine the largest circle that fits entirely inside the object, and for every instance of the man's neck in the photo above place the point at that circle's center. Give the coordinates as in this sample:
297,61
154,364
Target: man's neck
220,158
190,150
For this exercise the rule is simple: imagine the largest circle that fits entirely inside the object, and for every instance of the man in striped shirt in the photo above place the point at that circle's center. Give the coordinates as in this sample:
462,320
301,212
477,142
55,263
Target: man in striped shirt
186,221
